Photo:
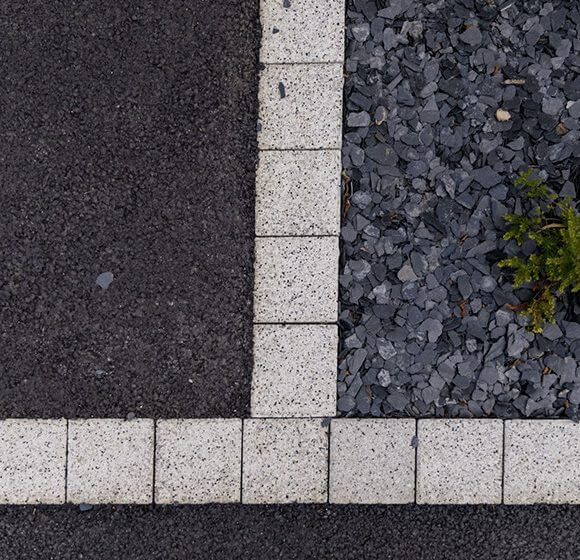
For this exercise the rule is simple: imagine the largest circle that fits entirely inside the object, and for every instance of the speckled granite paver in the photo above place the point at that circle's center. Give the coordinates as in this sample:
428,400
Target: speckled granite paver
198,461
302,31
296,280
459,461
110,461
300,106
285,461
298,193
372,461
542,462
294,370
32,461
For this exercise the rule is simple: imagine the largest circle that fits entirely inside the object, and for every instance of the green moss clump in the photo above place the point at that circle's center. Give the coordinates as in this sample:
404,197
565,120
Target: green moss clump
554,267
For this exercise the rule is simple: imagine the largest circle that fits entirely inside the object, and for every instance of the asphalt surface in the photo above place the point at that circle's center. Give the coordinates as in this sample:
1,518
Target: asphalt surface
291,532
128,150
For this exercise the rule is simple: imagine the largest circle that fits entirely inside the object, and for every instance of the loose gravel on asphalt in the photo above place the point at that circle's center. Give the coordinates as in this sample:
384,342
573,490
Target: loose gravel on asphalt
291,532
445,103
127,207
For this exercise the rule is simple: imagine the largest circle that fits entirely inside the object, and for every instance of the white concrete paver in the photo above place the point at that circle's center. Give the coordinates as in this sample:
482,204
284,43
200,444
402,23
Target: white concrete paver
459,461
298,193
300,106
372,461
32,461
294,370
198,461
285,461
542,462
296,280
110,461
302,31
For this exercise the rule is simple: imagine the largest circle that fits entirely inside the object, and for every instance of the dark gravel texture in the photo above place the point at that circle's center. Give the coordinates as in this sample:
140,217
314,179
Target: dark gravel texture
291,532
445,103
127,206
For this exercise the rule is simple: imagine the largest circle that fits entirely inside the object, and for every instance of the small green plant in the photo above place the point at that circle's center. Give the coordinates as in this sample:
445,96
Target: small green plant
554,267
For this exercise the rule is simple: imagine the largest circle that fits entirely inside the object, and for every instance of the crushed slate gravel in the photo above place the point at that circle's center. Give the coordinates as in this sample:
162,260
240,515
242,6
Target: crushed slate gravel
291,532
128,133
445,103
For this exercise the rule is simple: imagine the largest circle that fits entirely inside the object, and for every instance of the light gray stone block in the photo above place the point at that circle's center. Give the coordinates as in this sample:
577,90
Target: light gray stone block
296,280
198,461
32,461
110,461
298,193
305,31
542,462
372,461
294,370
285,461
307,114
459,461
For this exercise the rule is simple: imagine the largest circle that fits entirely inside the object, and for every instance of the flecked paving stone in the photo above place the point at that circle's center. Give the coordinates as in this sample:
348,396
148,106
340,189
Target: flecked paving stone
285,461
542,462
459,461
298,193
372,461
429,161
294,370
198,461
296,280
300,106
110,461
302,31
32,461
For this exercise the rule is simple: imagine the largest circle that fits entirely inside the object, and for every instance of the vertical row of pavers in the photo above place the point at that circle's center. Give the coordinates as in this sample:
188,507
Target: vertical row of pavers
285,443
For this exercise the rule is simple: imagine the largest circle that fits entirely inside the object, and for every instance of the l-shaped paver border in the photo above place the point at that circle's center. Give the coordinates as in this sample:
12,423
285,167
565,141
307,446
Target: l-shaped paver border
292,450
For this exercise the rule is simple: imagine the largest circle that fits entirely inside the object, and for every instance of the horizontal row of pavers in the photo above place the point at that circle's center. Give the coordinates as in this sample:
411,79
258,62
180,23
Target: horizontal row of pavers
305,460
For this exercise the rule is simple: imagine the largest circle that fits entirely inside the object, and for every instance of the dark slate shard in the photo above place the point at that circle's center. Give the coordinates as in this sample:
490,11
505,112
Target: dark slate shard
517,343
552,332
572,330
385,349
489,375
486,177
398,334
358,359
565,367
552,105
360,31
418,263
430,394
104,280
398,401
417,168
346,403
559,152
472,36
433,327
384,378
360,119
488,284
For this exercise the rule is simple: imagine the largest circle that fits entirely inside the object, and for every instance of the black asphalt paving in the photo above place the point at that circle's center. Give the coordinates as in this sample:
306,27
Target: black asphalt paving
291,532
127,157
